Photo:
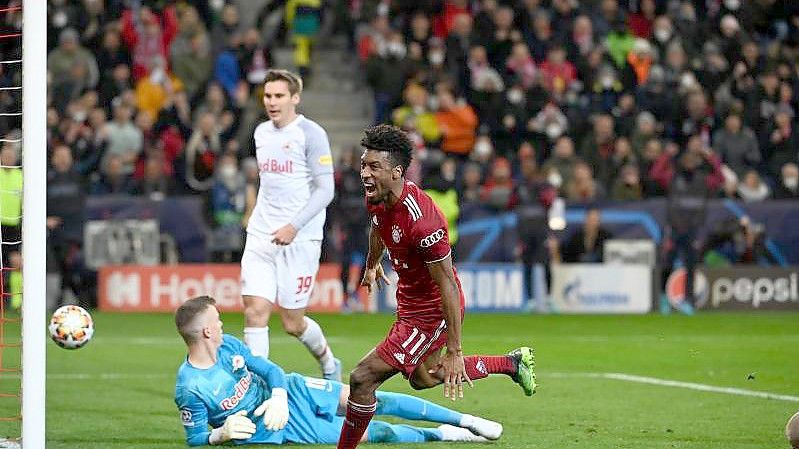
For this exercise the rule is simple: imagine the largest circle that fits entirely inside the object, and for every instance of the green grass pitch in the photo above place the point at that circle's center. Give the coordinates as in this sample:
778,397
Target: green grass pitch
116,392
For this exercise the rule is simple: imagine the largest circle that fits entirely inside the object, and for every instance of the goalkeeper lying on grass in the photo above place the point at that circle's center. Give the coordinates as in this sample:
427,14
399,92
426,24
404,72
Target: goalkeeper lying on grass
248,399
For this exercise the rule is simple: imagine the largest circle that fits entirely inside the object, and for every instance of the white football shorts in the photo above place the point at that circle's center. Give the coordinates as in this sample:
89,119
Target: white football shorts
282,275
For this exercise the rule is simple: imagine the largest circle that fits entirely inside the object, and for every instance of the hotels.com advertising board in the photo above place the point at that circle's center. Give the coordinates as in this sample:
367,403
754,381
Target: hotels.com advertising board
162,288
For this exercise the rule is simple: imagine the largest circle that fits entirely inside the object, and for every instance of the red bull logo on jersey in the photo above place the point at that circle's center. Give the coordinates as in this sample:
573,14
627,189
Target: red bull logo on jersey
275,166
242,386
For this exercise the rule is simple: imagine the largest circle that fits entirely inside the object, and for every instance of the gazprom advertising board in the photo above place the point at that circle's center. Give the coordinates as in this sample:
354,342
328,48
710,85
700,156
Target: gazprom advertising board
601,288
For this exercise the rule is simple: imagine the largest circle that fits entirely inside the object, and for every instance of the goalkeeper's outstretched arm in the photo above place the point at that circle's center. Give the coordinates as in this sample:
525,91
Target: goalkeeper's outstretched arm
194,416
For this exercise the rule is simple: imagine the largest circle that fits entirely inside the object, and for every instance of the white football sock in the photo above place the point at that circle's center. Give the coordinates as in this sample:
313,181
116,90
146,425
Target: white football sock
315,341
452,433
257,338
481,426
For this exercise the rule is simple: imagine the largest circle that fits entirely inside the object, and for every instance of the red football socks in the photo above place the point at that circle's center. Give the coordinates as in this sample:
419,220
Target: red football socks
480,366
356,421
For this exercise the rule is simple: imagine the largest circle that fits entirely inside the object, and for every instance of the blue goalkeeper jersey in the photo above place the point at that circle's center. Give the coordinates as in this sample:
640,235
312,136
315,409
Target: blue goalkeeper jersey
238,381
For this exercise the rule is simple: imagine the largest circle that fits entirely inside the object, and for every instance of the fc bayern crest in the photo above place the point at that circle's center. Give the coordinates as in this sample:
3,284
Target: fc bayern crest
396,233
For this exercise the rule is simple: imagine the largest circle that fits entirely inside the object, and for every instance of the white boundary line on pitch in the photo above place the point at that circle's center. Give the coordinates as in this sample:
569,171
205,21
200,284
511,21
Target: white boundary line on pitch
678,384
610,376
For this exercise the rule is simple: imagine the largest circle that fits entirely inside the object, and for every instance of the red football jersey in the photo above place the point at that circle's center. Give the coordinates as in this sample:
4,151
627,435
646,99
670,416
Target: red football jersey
415,233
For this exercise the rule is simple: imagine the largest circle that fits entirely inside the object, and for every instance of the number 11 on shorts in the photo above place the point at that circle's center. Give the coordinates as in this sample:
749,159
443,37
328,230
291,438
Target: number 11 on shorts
420,338
304,284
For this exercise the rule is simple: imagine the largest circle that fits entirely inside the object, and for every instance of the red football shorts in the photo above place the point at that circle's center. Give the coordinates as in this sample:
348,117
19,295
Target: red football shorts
408,344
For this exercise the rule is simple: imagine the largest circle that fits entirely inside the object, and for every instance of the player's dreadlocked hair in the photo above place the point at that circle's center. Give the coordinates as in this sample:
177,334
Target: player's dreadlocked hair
392,140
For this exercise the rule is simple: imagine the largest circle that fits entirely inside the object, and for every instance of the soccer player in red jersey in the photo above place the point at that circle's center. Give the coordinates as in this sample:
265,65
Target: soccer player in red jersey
430,302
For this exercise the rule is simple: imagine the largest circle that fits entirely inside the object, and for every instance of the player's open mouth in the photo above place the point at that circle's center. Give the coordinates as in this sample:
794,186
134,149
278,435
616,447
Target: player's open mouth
370,189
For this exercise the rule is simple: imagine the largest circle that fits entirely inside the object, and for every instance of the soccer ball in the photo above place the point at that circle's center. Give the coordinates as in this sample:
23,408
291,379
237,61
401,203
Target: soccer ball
71,327
792,430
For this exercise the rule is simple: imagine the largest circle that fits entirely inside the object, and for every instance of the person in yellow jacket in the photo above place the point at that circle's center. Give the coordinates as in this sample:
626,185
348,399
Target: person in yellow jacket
415,114
14,280
153,91
10,194
303,19
441,188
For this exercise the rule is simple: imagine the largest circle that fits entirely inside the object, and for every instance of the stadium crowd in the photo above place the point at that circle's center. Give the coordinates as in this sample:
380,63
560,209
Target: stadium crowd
510,102
606,99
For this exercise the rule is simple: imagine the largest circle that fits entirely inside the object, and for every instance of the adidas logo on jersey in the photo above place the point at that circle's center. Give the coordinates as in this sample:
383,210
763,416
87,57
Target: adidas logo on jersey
400,357
413,207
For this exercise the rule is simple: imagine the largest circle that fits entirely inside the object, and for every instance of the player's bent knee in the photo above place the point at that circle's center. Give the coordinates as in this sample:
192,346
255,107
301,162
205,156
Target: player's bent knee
422,381
362,381
256,311
294,327
418,385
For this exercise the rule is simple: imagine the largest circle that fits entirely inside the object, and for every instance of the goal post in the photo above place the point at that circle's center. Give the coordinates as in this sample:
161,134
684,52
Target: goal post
34,232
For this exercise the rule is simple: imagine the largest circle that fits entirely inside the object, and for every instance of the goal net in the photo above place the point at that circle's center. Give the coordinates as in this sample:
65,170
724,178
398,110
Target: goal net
23,156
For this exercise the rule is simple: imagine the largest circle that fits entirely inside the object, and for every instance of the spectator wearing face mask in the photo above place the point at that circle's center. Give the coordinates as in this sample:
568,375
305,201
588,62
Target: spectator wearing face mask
415,114
788,187
386,73
559,168
662,34
227,202
550,122
753,189
227,193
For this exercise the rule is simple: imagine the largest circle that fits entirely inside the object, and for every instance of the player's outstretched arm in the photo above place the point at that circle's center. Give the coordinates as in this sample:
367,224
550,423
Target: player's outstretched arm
454,370
374,268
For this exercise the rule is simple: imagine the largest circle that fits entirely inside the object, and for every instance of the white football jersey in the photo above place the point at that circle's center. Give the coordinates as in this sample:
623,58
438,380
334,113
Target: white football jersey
288,159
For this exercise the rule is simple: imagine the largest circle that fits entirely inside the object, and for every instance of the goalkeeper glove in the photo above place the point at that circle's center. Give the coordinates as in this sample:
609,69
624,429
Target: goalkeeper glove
236,427
275,410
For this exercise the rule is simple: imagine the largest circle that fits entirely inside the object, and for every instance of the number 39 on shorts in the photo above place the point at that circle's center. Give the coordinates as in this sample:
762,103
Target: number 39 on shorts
304,284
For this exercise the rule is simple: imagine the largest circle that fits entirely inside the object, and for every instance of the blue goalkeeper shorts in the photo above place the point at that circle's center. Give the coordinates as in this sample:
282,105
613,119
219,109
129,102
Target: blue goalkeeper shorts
312,410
